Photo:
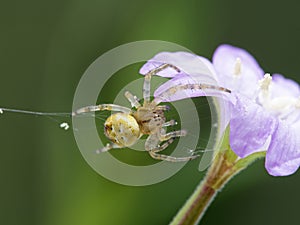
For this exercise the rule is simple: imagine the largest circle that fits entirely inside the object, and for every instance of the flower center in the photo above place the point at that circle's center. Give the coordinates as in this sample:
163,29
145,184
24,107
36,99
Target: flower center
284,107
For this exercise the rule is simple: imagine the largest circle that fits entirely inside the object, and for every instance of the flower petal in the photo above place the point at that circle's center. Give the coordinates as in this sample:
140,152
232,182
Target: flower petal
187,62
282,86
250,127
243,79
283,155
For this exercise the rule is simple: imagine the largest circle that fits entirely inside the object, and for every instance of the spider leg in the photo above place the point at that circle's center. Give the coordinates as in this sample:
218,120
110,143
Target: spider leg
132,99
147,80
110,107
169,123
153,147
163,107
173,90
107,147
173,134
152,141
153,153
162,147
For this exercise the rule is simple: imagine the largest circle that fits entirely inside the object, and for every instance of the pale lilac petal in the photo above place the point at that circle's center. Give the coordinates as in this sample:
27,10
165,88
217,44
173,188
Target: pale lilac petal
296,124
162,94
225,59
282,86
187,62
283,155
250,127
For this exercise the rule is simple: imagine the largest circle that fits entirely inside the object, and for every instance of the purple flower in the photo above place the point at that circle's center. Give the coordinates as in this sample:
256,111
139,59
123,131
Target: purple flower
266,113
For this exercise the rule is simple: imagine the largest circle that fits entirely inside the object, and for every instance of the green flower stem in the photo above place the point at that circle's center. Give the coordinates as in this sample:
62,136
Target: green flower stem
224,166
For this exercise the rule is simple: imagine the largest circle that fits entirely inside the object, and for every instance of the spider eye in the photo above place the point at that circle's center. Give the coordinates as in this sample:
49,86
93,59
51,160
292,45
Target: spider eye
106,127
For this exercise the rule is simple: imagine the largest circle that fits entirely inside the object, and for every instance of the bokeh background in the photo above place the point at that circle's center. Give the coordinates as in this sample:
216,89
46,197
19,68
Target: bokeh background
45,46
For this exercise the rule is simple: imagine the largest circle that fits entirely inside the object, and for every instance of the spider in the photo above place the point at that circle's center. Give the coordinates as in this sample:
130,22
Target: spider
125,127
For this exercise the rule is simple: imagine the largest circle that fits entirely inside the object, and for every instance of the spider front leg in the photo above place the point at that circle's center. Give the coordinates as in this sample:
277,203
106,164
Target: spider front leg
110,107
183,87
147,80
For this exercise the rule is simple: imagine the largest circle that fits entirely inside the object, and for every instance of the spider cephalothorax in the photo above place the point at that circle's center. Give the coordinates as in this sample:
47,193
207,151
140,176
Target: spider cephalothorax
127,126
150,121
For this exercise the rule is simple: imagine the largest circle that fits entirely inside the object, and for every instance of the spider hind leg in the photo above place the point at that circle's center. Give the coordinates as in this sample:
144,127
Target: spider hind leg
153,147
173,134
153,153
107,147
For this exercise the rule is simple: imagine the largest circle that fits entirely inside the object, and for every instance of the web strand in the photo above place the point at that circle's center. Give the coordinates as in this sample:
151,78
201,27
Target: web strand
35,113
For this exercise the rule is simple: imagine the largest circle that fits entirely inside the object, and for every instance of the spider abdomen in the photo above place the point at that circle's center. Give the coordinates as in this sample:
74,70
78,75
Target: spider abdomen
122,129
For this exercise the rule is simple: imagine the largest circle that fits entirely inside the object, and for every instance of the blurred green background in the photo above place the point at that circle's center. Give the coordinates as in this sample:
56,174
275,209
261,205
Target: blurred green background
45,46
